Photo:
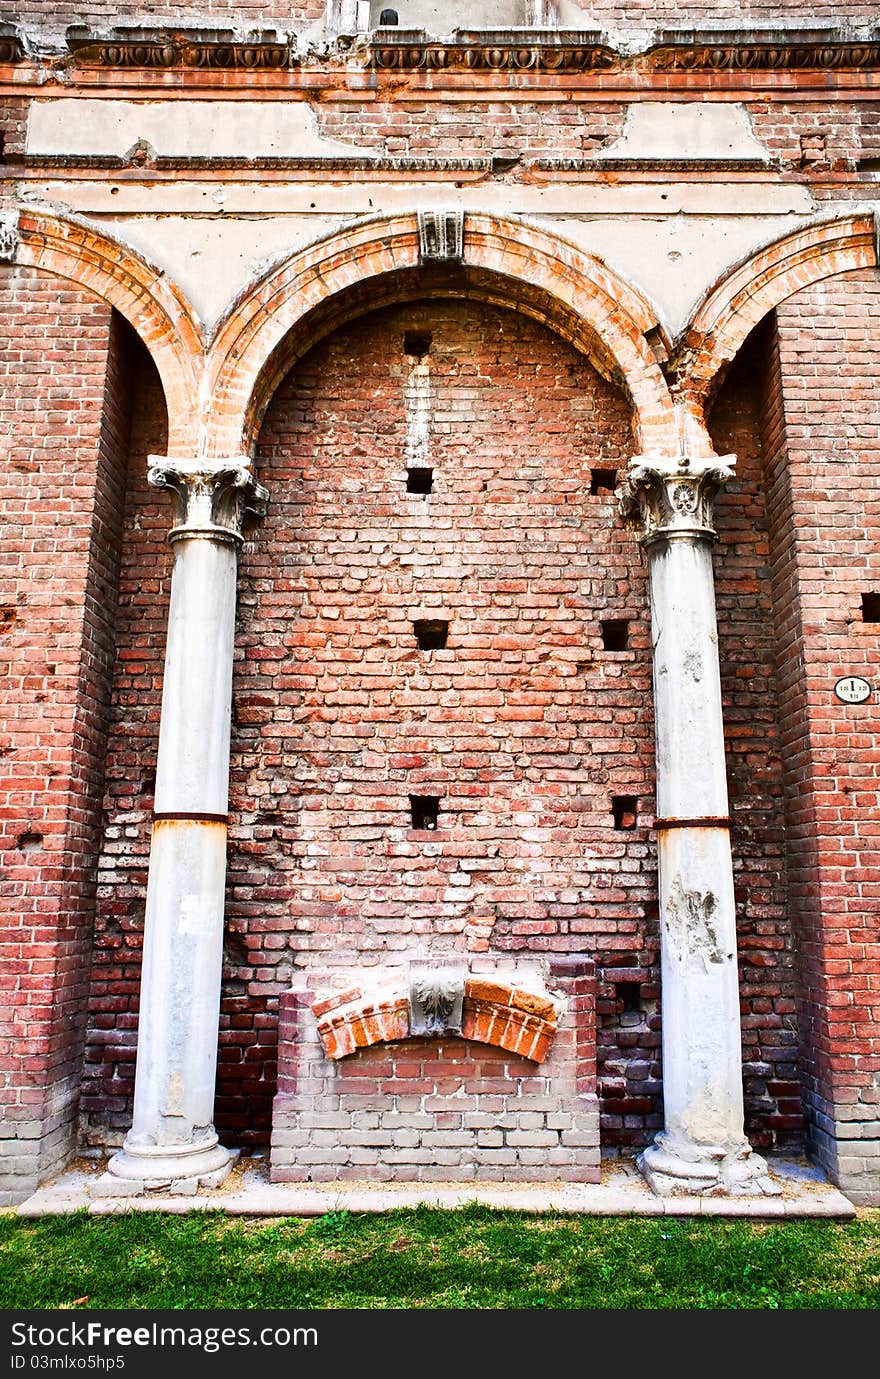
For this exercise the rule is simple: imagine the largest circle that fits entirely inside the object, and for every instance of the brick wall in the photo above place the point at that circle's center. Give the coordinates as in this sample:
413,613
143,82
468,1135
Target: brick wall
64,425
525,726
445,1108
144,588
612,13
822,421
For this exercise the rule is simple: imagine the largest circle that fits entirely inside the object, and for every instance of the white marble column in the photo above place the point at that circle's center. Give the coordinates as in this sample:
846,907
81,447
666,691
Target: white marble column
703,1148
172,1136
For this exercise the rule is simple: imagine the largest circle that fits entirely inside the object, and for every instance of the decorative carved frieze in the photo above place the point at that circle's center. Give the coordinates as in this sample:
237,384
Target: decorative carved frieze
753,57
675,496
8,236
181,50
504,50
489,57
213,499
441,235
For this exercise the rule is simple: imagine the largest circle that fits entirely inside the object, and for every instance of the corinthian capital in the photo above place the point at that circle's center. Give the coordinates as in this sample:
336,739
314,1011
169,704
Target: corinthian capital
671,496
213,496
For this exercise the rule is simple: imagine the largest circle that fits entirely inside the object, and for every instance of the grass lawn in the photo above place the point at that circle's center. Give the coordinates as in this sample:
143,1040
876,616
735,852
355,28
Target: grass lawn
474,1257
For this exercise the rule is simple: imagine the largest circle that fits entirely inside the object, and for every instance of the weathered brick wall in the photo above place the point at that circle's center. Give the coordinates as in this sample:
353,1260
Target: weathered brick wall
825,497
144,587
525,725
103,14
643,14
64,427
747,651
523,129
444,1108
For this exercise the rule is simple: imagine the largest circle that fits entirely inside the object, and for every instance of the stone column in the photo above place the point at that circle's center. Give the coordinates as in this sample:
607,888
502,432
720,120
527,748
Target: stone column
703,1147
172,1136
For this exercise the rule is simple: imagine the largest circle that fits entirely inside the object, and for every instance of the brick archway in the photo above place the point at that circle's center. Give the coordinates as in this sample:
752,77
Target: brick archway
152,306
744,296
585,302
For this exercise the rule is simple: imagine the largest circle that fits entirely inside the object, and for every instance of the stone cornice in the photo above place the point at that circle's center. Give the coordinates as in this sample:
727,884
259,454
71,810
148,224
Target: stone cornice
526,51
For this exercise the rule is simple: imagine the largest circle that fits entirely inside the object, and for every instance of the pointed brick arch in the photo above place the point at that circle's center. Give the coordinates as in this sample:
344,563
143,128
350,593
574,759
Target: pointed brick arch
156,310
586,301
743,297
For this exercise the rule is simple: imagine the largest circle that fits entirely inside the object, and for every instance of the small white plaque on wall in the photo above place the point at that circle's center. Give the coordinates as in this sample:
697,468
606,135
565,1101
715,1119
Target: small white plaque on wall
852,689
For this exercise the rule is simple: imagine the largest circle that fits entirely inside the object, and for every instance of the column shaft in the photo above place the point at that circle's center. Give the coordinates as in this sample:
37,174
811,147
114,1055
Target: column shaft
703,1147
172,1135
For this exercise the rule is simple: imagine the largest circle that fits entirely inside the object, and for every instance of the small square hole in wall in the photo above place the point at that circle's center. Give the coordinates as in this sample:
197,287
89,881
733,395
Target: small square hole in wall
603,481
417,343
419,479
629,994
615,634
624,809
870,607
424,811
431,633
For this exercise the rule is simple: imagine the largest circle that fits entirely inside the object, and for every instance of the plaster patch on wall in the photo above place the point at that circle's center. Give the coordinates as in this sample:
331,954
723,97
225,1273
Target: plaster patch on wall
689,917
181,129
677,259
211,259
686,130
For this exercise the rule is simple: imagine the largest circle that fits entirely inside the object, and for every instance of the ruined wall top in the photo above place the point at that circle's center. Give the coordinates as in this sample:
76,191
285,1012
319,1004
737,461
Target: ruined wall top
315,22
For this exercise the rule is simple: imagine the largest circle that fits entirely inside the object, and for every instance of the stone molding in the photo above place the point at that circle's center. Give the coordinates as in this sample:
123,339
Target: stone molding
673,497
562,52
214,498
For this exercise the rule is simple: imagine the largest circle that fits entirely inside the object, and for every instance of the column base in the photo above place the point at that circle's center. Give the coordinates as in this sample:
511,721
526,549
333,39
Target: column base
181,1169
684,1169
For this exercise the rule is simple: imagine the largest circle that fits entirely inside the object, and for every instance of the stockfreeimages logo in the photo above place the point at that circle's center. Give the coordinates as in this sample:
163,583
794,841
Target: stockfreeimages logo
32,1342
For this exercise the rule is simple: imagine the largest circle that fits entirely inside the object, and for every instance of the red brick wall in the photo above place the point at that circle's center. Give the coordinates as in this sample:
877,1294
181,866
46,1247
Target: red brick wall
62,359
747,650
144,587
524,725
825,497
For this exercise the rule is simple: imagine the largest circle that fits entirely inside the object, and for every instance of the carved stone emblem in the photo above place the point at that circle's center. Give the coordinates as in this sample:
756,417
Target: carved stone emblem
436,996
441,235
8,237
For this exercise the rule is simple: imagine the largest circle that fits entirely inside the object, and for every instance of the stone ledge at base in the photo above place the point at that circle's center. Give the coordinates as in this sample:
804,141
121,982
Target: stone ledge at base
622,1192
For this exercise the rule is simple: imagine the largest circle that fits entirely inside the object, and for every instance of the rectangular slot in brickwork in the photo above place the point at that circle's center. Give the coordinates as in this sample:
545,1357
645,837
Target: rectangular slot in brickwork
419,479
431,633
615,634
870,607
424,811
603,481
624,809
629,994
417,343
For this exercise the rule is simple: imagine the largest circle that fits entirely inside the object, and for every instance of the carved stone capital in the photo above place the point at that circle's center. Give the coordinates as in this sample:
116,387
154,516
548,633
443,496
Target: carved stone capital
674,496
213,497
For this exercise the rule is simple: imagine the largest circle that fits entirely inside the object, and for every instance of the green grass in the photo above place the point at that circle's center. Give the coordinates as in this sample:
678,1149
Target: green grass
475,1257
